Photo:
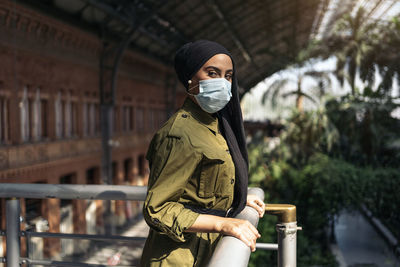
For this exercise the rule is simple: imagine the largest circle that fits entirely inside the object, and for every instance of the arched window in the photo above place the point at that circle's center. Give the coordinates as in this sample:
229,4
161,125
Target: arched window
92,119
58,115
85,119
24,115
37,117
4,120
68,115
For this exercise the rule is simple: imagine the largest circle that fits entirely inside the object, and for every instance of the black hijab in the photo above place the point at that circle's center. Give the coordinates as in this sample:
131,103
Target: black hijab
188,60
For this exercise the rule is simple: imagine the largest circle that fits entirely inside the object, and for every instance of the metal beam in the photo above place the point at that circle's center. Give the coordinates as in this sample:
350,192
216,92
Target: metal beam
106,238
64,191
229,29
128,21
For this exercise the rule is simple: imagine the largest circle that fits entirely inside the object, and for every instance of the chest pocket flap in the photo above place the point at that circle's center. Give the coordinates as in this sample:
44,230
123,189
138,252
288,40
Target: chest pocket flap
209,170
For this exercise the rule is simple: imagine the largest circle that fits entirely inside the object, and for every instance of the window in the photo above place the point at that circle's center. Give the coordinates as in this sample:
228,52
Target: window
114,172
141,166
85,119
67,116
24,115
33,209
97,119
36,118
116,117
127,169
66,179
127,118
43,115
140,119
74,119
92,176
152,120
58,115
4,120
92,119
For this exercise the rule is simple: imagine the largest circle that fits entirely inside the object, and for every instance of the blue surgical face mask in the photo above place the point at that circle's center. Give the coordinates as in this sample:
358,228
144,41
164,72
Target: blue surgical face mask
213,94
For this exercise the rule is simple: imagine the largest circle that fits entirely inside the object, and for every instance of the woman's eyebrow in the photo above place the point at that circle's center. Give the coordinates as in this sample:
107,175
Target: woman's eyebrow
217,69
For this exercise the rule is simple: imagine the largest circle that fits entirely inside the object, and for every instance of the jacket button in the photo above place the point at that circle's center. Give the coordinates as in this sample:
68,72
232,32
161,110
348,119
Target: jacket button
184,115
232,181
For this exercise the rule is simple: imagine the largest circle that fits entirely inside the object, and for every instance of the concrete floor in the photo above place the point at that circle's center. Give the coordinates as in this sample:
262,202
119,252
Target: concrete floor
360,245
122,254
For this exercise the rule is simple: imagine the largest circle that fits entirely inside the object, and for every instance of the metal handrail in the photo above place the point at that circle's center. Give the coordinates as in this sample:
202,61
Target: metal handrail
230,251
75,191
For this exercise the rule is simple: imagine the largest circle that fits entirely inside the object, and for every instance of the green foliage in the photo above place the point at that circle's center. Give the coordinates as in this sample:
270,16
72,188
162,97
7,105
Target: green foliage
368,133
327,161
307,133
361,47
289,87
381,195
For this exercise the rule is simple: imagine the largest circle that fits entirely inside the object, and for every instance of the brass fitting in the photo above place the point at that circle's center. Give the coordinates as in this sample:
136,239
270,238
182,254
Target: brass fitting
286,213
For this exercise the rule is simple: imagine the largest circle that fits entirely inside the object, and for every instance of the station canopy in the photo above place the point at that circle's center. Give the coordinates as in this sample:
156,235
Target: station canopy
264,36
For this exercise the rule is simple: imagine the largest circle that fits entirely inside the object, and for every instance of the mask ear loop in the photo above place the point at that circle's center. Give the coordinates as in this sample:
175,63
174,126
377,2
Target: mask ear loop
191,88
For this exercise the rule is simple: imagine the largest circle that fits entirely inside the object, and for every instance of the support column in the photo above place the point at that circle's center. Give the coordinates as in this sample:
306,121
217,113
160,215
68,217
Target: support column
3,225
52,246
79,215
79,206
23,214
135,169
13,228
119,204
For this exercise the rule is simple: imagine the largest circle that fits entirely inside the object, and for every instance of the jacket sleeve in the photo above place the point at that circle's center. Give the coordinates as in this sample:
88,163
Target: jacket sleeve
173,162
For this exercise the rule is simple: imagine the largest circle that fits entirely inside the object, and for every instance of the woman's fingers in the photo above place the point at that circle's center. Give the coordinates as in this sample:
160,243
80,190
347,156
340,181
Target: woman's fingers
257,207
242,230
256,203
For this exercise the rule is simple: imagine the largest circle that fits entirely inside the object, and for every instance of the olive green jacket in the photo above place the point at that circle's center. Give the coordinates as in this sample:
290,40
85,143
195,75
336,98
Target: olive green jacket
189,163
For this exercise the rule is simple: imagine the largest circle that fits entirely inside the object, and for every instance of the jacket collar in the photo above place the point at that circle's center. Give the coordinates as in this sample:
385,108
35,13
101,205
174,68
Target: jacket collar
200,115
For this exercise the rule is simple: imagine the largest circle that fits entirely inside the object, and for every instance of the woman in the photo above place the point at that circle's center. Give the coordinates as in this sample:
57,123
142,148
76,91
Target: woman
198,165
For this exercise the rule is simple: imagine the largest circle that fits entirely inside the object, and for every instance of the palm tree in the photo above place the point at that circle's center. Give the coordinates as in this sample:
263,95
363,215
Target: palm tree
352,43
387,55
287,87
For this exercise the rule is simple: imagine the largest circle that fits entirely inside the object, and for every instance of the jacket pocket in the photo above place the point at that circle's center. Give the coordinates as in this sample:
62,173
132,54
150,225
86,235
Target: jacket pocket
209,171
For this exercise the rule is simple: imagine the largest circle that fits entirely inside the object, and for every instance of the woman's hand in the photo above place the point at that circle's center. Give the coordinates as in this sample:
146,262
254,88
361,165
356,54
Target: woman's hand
256,203
241,229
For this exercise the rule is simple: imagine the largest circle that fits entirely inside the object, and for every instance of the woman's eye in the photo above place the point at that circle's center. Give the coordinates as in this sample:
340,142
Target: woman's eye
212,74
228,77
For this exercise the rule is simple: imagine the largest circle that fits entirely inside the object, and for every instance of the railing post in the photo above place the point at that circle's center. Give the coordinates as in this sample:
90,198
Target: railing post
287,233
12,232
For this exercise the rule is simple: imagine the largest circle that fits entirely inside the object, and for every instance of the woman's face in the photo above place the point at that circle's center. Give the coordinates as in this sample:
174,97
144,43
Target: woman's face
218,66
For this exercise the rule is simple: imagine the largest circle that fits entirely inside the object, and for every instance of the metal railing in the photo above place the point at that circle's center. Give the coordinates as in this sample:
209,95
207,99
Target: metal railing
230,251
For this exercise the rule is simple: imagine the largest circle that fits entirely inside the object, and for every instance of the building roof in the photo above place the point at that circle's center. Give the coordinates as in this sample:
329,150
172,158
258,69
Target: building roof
263,36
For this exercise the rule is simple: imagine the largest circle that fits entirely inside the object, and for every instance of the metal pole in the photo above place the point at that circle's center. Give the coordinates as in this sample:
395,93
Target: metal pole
28,249
287,239
287,232
12,234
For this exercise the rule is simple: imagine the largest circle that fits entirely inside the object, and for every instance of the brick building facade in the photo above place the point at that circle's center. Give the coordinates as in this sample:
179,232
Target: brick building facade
49,113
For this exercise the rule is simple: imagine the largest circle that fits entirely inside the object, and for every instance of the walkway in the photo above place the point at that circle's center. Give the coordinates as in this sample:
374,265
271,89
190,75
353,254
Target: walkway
122,254
360,244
